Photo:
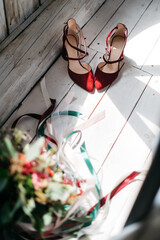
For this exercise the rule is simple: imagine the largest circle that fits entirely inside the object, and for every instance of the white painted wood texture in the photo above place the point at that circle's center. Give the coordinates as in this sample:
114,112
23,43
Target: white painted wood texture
146,32
24,25
18,10
151,64
58,84
29,56
128,11
94,27
3,28
18,14
123,141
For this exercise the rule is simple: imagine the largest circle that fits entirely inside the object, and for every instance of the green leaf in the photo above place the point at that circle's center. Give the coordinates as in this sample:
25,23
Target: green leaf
3,179
3,183
15,208
10,147
59,209
84,219
33,151
22,193
28,185
38,224
5,214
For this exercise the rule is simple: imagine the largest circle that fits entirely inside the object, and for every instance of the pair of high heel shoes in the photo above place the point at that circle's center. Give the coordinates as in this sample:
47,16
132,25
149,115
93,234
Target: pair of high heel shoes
81,72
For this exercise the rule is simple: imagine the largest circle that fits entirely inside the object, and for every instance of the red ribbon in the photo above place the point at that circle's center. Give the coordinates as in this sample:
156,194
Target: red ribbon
116,190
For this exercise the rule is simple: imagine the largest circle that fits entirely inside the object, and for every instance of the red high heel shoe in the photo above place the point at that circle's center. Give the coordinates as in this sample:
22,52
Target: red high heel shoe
79,72
108,70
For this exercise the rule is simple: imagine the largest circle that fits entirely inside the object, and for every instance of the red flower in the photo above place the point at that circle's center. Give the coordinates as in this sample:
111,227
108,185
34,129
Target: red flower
27,168
39,180
42,175
36,181
67,181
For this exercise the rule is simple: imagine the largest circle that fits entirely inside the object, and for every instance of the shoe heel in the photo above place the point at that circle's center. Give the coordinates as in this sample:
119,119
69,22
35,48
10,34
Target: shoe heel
64,53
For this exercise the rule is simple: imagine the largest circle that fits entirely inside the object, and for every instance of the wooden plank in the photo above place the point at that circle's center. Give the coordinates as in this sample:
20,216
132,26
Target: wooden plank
24,25
28,38
119,102
129,13
151,64
22,44
58,84
116,218
26,69
3,27
18,11
100,19
131,152
144,36
126,136
42,1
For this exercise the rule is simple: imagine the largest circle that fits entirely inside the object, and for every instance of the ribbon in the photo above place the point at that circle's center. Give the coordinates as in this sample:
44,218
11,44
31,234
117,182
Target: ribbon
41,127
129,179
41,131
93,211
117,189
36,116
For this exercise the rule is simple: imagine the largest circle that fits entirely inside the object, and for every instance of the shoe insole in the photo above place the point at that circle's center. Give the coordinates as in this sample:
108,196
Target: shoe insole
75,65
116,51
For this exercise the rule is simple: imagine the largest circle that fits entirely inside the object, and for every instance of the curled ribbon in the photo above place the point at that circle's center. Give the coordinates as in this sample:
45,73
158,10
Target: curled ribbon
41,131
93,211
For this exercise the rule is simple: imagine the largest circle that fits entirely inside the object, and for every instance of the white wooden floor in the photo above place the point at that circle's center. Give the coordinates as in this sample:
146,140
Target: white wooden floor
123,141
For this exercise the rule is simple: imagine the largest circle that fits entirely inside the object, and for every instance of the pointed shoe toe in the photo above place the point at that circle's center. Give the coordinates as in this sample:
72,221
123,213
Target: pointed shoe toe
84,81
103,79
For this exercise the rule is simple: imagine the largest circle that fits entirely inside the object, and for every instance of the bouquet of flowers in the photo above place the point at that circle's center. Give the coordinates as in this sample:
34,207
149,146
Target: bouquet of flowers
36,188
47,189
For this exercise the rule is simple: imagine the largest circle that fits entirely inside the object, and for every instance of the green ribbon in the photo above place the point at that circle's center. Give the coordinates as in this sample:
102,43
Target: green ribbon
41,130
70,134
41,127
94,212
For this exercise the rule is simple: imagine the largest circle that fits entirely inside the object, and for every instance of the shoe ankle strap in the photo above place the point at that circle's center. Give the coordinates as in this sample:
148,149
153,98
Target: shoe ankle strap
80,36
115,61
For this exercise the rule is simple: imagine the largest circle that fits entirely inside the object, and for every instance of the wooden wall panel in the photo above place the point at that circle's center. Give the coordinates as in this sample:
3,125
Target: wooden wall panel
3,28
42,1
18,10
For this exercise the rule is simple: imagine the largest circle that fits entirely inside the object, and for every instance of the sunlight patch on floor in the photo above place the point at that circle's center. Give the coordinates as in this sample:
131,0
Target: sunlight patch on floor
139,46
